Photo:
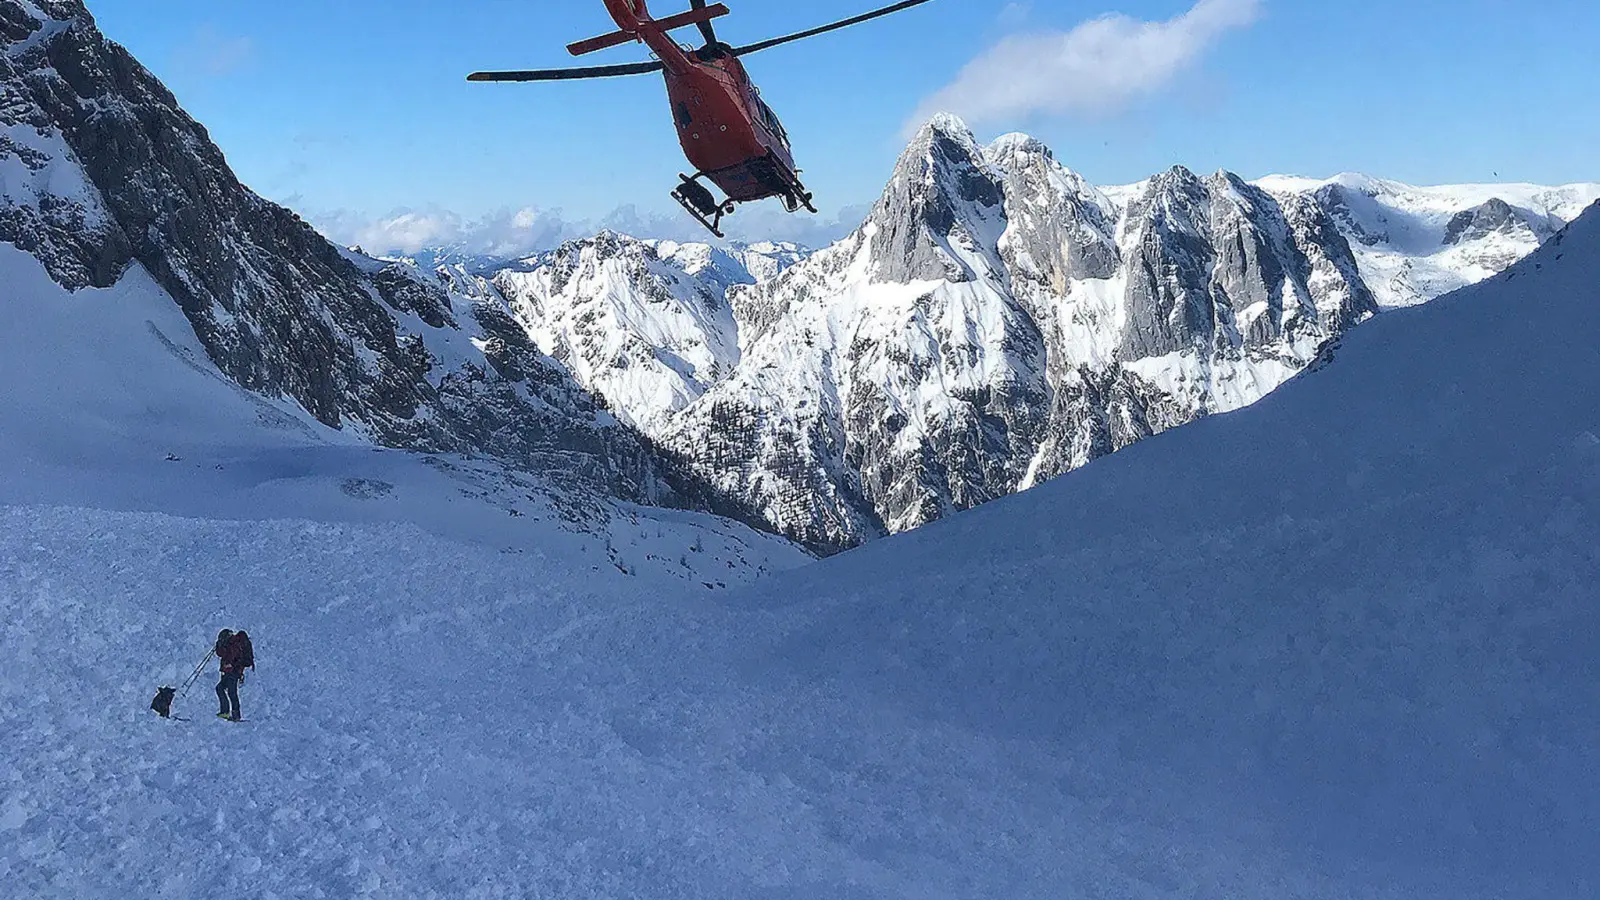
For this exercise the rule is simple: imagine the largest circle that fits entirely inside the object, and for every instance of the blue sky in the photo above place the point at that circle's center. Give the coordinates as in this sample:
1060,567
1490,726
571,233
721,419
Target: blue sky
356,110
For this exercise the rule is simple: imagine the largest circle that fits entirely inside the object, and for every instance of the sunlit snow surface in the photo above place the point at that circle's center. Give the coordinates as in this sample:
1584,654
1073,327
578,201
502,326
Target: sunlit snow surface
1341,645
644,324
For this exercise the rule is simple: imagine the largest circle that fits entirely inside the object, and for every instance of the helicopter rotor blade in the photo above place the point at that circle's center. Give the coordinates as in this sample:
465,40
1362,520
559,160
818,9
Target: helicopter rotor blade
707,30
569,74
856,20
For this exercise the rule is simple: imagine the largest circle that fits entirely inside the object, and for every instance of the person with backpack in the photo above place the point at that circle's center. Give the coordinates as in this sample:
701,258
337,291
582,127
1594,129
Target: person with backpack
235,653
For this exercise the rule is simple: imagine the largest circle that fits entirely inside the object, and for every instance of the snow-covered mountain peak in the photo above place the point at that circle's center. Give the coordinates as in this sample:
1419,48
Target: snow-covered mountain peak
999,320
1015,152
1058,225
940,212
646,324
1018,143
1020,157
1174,192
649,325
1494,217
944,155
1367,184
944,124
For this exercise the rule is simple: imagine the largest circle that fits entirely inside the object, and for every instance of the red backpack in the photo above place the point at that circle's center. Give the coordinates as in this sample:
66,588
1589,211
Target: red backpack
236,653
243,651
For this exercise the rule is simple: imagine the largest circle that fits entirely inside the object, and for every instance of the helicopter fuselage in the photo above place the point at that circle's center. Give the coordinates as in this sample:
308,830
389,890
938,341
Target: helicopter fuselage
730,135
728,132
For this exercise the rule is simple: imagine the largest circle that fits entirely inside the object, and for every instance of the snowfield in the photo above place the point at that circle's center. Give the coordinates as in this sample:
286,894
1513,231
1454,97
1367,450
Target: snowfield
1356,662
1341,644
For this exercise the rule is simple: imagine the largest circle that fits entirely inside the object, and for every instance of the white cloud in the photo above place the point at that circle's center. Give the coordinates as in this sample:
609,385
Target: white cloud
507,233
513,234
213,54
1098,68
399,232
1013,15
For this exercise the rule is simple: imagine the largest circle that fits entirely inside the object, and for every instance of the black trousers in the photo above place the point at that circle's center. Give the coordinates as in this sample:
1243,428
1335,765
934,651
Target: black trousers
228,694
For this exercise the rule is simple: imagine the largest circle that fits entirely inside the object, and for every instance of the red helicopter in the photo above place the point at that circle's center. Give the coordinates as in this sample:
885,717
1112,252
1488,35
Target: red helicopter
730,135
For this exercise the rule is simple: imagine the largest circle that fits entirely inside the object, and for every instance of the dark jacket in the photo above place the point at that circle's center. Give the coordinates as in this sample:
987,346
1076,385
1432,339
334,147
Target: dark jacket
236,653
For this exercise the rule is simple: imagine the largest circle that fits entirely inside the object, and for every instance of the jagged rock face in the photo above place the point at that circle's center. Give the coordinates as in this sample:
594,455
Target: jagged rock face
222,252
1358,213
1218,266
802,484
1061,227
100,169
47,208
1170,268
1095,413
1493,216
936,207
1499,224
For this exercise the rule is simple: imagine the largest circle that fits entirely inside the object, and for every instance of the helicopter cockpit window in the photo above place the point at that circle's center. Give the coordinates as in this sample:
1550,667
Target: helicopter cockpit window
771,118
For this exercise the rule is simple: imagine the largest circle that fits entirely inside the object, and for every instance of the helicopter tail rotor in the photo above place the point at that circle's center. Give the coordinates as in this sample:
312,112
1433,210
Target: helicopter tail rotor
700,15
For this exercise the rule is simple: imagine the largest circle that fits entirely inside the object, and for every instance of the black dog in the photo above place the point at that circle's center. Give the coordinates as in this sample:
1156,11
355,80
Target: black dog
162,704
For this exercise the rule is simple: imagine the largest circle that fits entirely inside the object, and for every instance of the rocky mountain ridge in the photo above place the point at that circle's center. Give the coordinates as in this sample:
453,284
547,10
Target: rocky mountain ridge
998,320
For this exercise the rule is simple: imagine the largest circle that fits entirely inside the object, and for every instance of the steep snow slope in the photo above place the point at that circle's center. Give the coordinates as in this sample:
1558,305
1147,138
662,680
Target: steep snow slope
1416,243
1338,645
145,497
112,403
1358,623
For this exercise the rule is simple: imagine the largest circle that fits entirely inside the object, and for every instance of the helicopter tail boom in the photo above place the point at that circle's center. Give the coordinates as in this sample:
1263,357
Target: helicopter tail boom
617,38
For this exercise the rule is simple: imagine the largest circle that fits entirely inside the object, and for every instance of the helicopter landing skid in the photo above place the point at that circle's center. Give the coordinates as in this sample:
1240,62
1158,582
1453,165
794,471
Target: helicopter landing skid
794,194
800,198
698,200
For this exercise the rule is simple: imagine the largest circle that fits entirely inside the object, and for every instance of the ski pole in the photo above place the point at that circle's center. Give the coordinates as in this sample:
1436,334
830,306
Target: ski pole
197,670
